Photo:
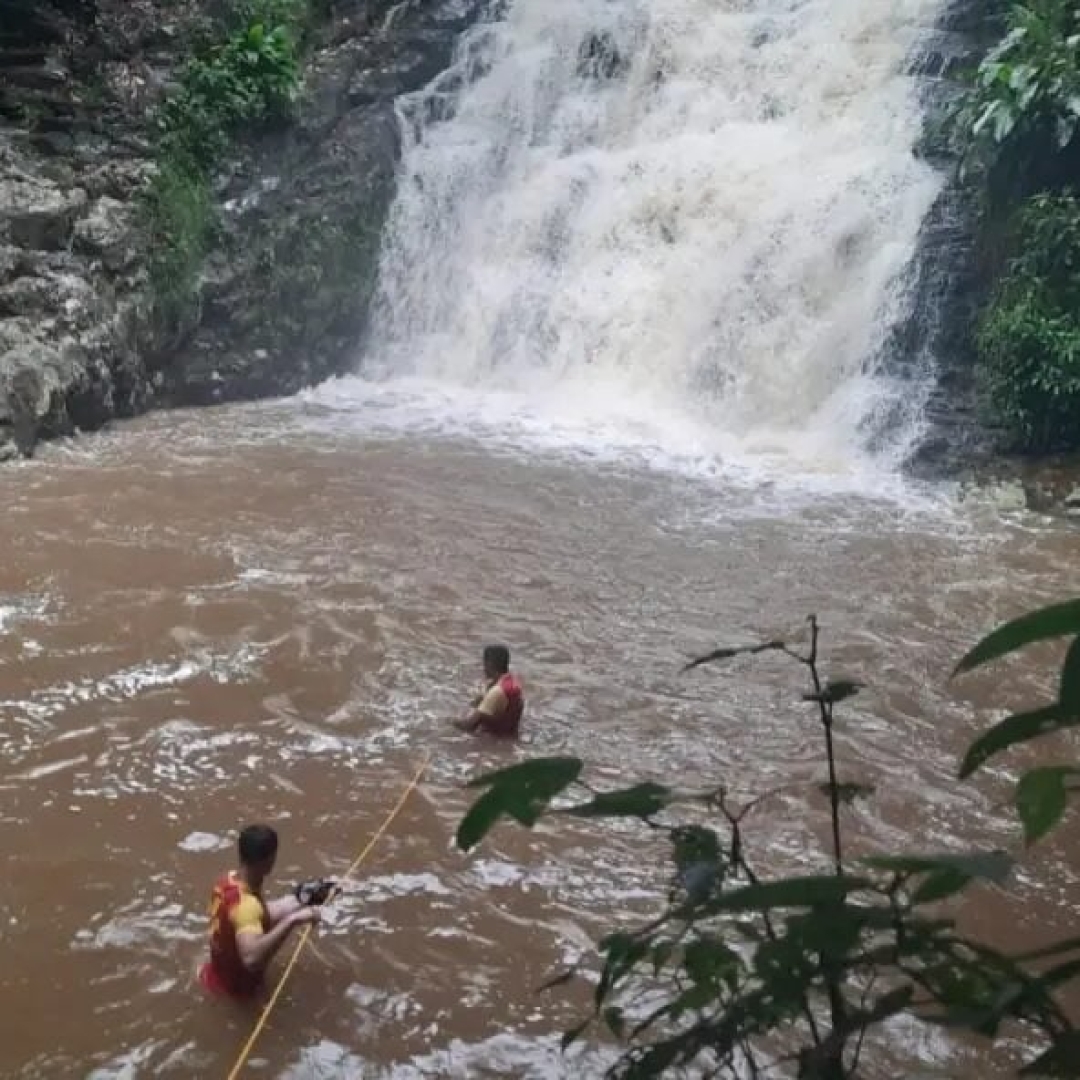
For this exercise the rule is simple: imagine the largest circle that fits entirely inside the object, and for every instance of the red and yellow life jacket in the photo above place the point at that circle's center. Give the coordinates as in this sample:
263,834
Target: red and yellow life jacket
225,973
508,721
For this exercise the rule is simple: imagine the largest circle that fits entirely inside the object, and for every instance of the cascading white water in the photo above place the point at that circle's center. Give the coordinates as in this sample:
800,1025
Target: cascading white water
689,219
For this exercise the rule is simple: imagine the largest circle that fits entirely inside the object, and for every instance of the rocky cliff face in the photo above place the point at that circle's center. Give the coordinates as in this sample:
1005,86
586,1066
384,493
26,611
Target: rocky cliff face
282,296
949,291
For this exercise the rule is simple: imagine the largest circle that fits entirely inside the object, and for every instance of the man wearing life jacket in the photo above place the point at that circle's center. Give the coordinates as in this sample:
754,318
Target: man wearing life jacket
499,707
246,931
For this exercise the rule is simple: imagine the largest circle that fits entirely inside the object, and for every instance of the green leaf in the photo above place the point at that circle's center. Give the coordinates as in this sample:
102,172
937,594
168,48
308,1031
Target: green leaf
653,1060
700,866
830,931
946,874
555,773
521,792
1060,974
1041,797
940,885
964,994
623,951
642,800
1020,728
1069,686
613,1017
480,819
709,962
1058,620
791,892
1062,1059
695,844
737,650
835,692
847,793
993,865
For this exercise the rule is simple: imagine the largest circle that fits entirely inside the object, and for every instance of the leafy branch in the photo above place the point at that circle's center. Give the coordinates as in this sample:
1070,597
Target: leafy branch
743,974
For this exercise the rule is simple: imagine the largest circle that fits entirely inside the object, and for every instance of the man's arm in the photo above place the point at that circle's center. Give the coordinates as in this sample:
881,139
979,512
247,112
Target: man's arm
490,706
276,910
470,722
258,949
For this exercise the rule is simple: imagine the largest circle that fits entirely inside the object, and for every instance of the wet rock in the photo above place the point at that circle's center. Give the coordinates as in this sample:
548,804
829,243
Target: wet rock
939,333
9,260
37,213
106,233
35,382
66,295
117,180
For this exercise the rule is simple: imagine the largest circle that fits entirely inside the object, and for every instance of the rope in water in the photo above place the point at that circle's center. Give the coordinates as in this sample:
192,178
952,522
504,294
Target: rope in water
245,1053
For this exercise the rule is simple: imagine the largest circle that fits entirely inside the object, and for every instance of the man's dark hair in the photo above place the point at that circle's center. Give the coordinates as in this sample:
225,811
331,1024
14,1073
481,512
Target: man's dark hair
497,658
257,844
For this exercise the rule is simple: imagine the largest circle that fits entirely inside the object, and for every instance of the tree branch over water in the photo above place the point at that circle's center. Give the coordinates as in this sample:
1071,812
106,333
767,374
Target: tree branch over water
791,974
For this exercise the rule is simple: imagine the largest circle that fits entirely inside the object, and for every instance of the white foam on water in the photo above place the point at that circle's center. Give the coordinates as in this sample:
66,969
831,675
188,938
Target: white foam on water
201,841
40,771
383,887
128,1065
508,1054
21,608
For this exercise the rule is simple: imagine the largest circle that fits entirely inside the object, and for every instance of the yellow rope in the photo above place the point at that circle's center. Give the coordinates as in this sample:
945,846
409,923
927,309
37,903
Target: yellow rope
245,1053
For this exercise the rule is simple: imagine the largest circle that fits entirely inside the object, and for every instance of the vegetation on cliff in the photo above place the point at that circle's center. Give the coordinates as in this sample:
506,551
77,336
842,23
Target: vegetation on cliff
246,72
1021,123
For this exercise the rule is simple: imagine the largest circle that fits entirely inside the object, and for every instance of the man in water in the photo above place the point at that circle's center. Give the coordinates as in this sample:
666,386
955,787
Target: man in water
246,931
498,708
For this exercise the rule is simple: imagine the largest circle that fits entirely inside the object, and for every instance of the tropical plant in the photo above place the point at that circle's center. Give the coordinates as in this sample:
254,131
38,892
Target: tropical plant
1029,335
1023,111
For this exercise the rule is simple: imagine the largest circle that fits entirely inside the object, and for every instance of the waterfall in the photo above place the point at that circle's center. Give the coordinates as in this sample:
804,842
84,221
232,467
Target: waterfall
689,218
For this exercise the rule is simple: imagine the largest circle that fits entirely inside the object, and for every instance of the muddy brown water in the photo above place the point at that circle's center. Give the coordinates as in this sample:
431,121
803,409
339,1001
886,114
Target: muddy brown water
206,622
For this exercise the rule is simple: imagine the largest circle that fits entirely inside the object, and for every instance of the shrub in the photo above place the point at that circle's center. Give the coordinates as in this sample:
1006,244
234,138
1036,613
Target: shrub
180,215
1022,115
1029,335
250,78
249,74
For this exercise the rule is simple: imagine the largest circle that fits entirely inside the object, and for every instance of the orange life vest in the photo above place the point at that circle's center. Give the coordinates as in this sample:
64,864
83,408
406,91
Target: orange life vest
508,721
225,973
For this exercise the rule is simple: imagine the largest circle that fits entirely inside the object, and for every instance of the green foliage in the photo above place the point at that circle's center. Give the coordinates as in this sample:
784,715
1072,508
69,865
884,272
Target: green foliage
641,801
1042,793
180,215
1029,335
251,77
521,792
1041,797
1059,620
747,976
1020,128
1024,107
245,76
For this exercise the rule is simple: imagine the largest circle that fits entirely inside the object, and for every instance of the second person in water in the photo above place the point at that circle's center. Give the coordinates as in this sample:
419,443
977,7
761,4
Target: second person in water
499,707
